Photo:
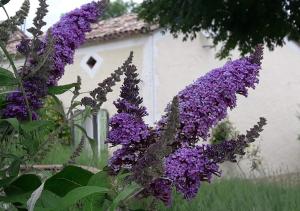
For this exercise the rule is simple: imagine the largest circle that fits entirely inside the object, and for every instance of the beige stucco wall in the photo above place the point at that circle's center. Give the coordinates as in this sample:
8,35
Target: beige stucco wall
166,65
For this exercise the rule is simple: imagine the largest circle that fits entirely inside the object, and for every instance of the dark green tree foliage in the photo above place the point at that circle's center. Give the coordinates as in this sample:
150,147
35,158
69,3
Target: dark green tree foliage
234,23
119,7
223,131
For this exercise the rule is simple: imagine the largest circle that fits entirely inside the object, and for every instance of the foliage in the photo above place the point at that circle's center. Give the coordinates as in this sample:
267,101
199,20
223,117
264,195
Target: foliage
233,24
68,187
120,7
52,111
253,154
223,131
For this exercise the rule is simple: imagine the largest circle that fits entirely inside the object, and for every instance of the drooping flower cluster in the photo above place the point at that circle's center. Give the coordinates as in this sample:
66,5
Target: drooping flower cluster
205,102
187,167
69,34
127,126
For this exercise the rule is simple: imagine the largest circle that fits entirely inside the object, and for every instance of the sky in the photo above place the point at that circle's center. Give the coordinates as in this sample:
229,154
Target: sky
56,9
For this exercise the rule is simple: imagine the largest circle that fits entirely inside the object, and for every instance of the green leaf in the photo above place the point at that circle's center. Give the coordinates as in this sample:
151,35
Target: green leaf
57,90
124,194
59,106
93,202
35,125
19,198
47,200
121,176
69,178
14,168
5,182
75,195
23,184
101,179
7,78
3,101
12,121
20,189
3,2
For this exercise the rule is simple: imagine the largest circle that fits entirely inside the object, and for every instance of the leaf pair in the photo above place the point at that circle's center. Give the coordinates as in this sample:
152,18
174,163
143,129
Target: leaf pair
66,188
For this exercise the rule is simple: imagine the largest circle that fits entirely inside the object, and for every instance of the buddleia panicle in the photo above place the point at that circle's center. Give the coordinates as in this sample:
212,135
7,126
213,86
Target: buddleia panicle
9,26
98,95
68,34
77,151
216,91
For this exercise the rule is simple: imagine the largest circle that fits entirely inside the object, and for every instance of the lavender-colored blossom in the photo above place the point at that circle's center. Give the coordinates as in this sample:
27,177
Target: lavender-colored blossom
69,34
127,129
187,168
205,102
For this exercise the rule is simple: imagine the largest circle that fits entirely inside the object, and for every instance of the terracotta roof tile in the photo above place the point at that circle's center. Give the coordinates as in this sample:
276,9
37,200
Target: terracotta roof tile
119,27
114,28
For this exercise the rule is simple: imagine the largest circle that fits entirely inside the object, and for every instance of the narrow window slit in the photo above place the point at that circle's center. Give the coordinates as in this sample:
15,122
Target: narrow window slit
91,62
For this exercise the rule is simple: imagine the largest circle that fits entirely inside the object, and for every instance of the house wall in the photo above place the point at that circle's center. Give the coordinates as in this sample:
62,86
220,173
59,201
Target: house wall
166,65
112,56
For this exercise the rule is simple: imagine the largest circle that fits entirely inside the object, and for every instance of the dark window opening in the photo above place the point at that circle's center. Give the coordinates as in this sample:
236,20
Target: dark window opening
91,62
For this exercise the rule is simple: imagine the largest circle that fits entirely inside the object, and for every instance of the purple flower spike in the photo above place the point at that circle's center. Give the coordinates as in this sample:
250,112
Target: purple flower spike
205,102
69,34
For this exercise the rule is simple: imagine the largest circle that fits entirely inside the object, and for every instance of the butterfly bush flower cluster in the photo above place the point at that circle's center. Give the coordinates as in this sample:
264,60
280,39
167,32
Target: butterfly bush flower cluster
69,34
205,102
127,127
201,105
